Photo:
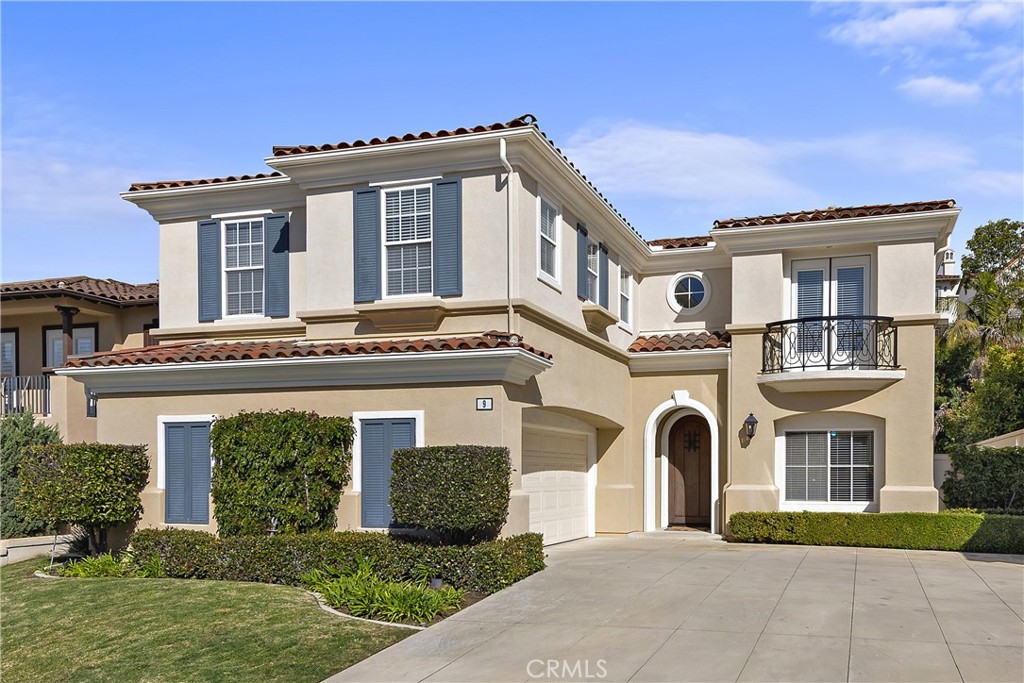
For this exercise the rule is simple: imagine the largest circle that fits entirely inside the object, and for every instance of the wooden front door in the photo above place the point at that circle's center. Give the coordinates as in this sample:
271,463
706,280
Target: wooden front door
689,472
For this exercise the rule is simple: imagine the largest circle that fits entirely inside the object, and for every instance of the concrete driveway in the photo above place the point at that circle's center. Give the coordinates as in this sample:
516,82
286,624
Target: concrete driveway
669,607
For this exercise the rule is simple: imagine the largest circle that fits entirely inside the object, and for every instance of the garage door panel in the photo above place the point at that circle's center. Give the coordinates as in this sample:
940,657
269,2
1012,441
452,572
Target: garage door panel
555,478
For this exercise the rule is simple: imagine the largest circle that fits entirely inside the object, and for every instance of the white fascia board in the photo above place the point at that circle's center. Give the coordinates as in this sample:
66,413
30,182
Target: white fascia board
504,365
679,361
185,203
667,261
934,226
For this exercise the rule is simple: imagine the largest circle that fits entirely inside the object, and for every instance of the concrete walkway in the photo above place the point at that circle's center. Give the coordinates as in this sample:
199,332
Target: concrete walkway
664,607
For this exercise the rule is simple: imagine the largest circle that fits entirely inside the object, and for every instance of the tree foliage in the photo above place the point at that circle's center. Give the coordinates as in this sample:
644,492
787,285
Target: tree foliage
992,315
18,432
982,477
93,485
993,245
279,471
996,403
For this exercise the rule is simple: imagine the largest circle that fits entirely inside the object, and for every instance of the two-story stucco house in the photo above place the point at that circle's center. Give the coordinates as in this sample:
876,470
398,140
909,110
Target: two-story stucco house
471,286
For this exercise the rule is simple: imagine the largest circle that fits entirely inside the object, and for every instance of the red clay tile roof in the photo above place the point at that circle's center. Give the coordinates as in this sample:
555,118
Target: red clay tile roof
289,150
113,292
834,213
948,278
169,184
226,351
681,341
680,242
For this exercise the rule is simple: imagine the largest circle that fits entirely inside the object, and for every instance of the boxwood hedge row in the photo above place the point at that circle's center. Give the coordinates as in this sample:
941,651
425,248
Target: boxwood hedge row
485,567
964,531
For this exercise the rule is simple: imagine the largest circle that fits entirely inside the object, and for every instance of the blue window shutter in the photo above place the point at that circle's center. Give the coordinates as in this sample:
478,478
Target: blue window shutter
447,238
199,474
401,434
373,496
366,254
209,271
175,474
275,262
602,276
581,261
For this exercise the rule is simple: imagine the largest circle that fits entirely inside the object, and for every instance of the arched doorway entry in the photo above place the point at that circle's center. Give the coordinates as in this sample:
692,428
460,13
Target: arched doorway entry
689,472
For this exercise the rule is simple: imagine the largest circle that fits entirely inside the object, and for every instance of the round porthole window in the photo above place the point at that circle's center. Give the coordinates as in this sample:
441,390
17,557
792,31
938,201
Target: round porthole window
688,293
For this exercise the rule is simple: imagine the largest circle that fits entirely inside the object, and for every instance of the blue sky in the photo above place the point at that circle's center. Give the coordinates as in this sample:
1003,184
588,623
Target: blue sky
680,113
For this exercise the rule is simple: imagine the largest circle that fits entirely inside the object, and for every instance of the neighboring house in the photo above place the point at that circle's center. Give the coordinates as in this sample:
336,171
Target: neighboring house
471,286
947,287
44,322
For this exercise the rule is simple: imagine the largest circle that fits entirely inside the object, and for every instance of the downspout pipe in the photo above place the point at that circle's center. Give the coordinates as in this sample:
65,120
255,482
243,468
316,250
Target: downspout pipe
503,156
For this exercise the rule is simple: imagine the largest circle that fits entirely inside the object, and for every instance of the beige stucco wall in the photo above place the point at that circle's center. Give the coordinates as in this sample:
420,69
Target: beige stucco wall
657,315
179,269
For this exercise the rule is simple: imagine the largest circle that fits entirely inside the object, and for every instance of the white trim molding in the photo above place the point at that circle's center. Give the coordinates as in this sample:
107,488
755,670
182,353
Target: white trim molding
357,450
161,454
685,405
679,361
514,365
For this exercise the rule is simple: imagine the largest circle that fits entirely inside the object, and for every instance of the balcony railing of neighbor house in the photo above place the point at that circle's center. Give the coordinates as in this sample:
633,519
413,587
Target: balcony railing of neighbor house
835,342
25,394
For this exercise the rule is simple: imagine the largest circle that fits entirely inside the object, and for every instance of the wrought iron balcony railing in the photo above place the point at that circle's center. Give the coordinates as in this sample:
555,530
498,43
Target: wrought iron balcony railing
25,394
836,342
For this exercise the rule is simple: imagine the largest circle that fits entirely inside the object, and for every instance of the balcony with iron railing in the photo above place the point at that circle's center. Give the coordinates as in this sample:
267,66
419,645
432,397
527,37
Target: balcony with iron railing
830,353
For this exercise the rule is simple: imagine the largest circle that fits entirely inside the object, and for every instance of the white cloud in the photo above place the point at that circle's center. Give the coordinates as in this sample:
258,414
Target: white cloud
941,90
699,172
980,41
995,183
641,159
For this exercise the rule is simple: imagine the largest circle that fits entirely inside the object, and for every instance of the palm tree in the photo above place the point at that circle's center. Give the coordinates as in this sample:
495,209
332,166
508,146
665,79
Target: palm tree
992,315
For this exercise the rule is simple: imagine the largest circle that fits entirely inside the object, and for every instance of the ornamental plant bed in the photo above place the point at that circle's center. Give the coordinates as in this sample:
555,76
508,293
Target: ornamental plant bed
960,531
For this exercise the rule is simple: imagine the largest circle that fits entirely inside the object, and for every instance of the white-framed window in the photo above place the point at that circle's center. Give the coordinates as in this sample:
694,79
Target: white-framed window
836,466
243,266
688,293
593,270
828,288
408,232
625,296
549,221
83,343
9,353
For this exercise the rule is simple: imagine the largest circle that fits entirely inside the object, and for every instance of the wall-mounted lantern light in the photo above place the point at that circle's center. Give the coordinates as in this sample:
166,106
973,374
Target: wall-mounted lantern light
750,424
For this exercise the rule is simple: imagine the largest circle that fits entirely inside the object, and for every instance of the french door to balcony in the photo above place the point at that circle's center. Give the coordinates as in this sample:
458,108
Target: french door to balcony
830,299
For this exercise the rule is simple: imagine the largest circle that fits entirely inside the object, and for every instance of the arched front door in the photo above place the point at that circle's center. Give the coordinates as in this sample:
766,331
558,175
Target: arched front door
689,472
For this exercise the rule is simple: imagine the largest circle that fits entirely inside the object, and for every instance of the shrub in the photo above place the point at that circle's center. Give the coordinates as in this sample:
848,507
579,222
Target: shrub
970,532
359,592
485,567
985,478
93,485
460,493
279,471
18,432
103,565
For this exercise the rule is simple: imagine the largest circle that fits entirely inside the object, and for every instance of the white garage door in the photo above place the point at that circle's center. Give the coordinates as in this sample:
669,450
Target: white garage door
555,477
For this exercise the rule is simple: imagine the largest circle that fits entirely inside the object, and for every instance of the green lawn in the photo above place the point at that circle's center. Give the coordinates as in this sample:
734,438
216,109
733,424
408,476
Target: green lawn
171,630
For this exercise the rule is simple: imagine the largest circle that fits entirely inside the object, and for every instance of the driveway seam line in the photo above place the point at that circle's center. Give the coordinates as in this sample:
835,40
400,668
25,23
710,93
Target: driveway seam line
853,611
935,616
992,590
769,619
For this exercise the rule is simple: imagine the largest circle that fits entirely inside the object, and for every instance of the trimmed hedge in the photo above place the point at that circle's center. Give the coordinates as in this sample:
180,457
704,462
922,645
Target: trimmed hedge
966,532
279,471
485,567
982,477
460,493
